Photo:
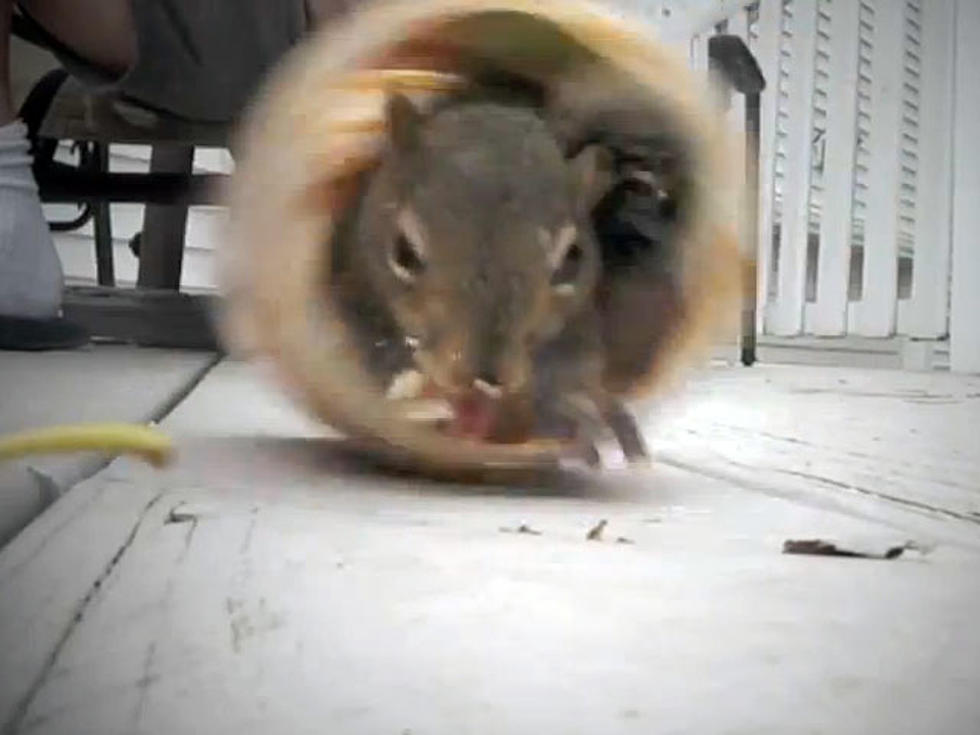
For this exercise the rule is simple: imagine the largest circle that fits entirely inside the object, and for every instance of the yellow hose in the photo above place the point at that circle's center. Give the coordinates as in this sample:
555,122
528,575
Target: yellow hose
151,445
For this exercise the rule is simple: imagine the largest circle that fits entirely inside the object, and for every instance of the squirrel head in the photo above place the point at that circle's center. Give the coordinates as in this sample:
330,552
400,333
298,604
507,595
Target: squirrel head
475,232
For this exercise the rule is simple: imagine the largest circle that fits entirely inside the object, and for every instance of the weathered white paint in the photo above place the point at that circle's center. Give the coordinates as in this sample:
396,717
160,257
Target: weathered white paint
699,52
787,314
965,304
768,56
109,383
829,313
877,308
929,303
880,313
273,587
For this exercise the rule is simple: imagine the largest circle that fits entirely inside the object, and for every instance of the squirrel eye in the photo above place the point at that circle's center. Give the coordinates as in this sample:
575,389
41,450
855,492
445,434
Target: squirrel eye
568,269
405,260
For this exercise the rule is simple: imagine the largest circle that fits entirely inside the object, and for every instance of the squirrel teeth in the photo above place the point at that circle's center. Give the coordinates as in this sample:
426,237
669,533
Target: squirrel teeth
407,384
493,391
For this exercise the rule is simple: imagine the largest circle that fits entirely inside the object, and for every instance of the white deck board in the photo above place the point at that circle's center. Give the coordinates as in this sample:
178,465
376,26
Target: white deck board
266,584
100,383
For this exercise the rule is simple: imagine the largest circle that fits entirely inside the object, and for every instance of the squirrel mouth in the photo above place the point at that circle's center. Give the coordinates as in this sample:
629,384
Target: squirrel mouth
477,414
474,416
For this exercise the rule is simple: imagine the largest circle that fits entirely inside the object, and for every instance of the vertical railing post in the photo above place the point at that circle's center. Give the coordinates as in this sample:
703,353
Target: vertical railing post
929,303
787,316
829,313
964,346
876,312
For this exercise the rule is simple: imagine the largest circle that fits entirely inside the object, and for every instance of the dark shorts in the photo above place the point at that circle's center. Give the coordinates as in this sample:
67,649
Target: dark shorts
202,59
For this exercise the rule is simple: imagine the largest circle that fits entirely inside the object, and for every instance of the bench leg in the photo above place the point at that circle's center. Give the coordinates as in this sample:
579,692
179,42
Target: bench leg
102,224
750,285
164,226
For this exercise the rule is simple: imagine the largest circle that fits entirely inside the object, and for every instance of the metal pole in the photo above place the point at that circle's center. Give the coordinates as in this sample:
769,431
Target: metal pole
749,285
102,223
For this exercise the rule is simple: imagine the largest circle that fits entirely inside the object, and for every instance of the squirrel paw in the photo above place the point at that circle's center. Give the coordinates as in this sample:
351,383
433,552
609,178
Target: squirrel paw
639,461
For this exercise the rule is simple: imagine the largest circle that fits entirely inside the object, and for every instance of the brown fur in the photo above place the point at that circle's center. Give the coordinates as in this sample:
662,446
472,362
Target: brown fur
313,125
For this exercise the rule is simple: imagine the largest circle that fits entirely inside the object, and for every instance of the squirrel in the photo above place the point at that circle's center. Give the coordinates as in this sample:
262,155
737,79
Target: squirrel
496,270
469,268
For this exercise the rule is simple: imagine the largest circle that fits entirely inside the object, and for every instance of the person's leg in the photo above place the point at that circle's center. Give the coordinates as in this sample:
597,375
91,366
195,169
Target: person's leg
101,32
31,278
30,273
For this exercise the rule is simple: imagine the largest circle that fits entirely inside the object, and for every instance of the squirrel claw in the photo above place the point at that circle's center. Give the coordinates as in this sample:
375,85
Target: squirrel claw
590,455
584,451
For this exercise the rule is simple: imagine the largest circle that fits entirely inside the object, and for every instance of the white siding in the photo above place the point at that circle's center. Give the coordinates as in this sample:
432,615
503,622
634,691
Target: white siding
77,248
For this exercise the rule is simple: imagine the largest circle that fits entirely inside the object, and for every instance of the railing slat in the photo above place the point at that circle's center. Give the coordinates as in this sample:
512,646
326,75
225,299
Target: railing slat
787,316
876,312
929,304
829,315
964,345
767,54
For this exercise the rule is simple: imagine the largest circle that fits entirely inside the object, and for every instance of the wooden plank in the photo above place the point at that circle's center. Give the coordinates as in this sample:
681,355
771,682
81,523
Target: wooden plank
787,316
271,589
157,318
964,332
54,566
876,311
102,383
767,54
908,436
48,572
829,313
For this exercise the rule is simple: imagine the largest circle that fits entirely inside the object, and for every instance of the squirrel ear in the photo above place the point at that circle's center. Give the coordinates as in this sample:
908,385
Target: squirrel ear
592,176
402,119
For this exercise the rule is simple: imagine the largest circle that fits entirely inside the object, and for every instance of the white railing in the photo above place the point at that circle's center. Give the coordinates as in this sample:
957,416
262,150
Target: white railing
857,175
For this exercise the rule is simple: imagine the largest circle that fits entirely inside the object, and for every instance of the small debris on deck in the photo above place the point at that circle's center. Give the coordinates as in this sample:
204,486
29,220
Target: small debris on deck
820,547
523,528
595,533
